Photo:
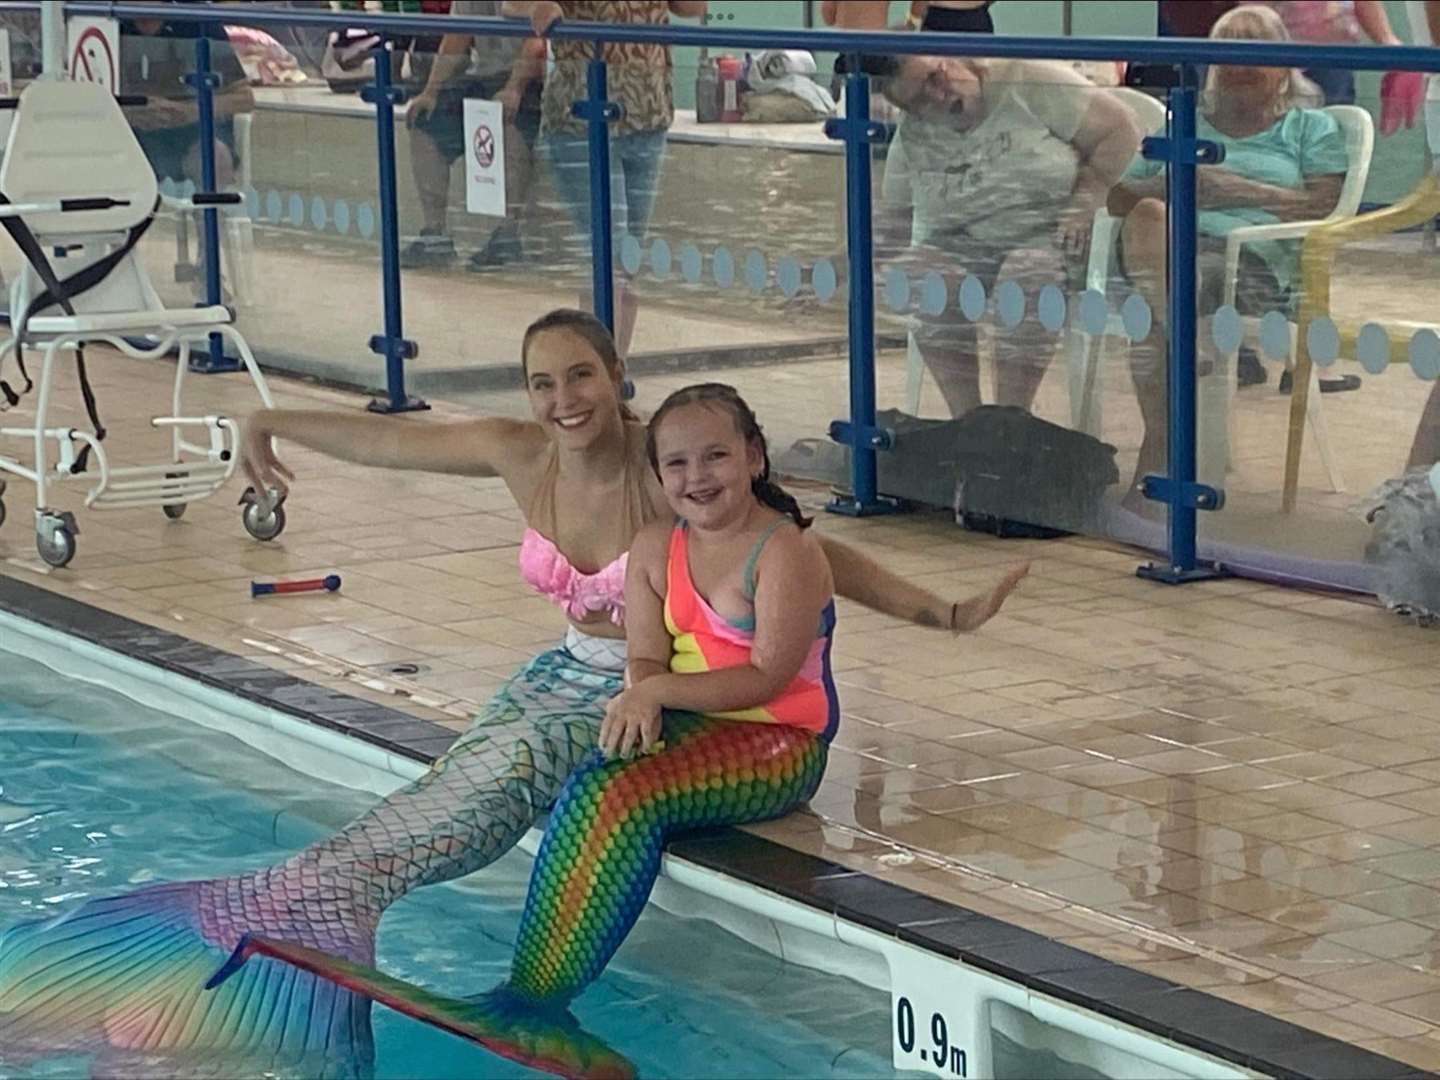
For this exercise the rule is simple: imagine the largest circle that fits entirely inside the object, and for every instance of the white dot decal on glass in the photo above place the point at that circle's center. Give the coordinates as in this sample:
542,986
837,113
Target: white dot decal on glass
252,203
1050,308
297,211
631,257
1226,329
972,298
1425,354
1322,341
1135,317
167,187
660,257
1372,348
185,188
272,205
1275,335
1009,304
1435,479
691,264
756,269
365,220
933,294
342,216
722,265
787,275
897,289
319,212
823,280
1094,312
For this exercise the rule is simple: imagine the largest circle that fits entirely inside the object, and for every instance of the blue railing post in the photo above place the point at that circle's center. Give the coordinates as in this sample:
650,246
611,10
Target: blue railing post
598,113
203,80
1183,153
392,344
860,432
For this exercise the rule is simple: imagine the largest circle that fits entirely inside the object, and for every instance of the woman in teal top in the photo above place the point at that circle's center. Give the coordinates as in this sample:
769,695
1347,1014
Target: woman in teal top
1282,163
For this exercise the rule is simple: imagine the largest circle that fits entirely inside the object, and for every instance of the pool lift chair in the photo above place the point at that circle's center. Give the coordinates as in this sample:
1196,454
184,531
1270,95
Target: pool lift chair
76,188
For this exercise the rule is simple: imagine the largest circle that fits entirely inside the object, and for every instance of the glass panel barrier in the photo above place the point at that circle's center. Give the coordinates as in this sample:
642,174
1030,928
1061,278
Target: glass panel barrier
1322,345
1008,326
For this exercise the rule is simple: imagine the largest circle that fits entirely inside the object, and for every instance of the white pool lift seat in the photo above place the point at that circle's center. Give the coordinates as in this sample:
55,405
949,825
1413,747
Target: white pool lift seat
76,188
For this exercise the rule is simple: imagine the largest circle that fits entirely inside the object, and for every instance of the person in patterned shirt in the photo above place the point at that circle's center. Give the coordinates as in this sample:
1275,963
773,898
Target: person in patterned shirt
640,80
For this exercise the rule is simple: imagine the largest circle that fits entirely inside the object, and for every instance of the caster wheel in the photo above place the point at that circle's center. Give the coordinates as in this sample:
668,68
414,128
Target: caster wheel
263,526
56,546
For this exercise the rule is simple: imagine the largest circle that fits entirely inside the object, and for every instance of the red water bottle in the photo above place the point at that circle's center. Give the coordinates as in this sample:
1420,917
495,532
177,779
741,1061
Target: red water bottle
729,73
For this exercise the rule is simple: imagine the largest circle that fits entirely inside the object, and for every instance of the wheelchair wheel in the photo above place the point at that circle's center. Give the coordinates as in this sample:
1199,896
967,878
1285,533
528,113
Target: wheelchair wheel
174,511
56,546
260,525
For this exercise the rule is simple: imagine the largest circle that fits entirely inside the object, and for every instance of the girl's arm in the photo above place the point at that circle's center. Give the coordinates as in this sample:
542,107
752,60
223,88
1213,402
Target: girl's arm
647,641
860,578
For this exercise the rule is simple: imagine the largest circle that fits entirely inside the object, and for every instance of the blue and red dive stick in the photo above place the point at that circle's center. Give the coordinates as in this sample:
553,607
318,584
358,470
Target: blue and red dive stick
329,583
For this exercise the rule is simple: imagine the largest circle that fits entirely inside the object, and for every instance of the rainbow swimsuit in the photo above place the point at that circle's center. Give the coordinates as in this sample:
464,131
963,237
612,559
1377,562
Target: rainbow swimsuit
601,852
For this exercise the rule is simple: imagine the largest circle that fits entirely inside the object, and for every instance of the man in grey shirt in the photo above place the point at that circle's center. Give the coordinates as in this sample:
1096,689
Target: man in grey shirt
508,69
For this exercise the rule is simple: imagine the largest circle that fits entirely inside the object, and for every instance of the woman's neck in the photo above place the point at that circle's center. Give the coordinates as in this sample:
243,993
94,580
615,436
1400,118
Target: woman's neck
601,462
1240,114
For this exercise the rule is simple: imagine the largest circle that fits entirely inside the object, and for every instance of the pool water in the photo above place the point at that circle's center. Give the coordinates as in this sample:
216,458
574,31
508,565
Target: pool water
98,796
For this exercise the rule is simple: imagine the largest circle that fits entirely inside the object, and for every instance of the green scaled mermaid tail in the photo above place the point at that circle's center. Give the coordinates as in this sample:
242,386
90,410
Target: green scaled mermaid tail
546,1039
593,875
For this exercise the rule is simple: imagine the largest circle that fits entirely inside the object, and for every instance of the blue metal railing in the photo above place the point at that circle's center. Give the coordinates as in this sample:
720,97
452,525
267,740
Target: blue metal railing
1179,149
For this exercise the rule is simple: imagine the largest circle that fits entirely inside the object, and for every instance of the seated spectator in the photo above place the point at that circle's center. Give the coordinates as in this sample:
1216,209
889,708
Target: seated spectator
508,69
1282,163
155,57
996,171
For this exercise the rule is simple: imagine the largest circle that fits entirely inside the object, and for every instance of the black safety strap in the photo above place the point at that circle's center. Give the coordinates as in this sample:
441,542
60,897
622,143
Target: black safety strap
58,293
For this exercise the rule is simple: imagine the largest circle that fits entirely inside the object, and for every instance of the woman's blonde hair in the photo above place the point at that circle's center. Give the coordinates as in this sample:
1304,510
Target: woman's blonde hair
1257,22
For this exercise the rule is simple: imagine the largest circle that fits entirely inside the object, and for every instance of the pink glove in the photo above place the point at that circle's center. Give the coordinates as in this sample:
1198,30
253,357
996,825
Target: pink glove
1400,95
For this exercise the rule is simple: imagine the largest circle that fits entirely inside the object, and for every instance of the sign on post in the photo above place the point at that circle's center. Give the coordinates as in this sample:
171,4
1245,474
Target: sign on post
484,157
94,52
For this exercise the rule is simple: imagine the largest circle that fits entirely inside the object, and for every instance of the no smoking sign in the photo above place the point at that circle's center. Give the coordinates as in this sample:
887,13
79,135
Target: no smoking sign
95,52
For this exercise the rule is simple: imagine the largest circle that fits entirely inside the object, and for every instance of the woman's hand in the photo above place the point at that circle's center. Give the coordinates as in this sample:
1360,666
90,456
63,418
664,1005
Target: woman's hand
258,460
978,610
631,725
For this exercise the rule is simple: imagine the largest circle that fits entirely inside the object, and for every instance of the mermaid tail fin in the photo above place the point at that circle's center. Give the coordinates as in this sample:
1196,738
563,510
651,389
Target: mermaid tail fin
122,977
501,1022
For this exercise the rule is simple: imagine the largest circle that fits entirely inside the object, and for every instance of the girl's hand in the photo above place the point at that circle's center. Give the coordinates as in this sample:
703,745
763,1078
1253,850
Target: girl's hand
977,611
632,724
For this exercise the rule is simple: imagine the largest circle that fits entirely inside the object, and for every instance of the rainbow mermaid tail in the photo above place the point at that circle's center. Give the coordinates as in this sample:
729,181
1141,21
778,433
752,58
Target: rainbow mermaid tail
546,1039
592,877
122,977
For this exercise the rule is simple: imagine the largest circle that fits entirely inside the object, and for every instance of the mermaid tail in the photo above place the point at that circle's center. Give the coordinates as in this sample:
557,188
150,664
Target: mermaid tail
542,1039
593,875
124,975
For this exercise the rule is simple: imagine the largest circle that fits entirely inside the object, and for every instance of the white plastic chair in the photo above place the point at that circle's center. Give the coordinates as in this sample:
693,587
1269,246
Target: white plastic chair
1217,390
1081,349
70,141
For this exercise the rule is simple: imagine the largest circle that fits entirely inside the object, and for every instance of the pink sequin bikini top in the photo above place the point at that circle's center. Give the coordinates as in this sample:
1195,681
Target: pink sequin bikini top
547,569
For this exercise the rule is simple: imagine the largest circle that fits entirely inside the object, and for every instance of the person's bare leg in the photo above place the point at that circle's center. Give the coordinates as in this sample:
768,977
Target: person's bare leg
1023,355
224,165
954,364
432,180
1425,450
1142,238
627,308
